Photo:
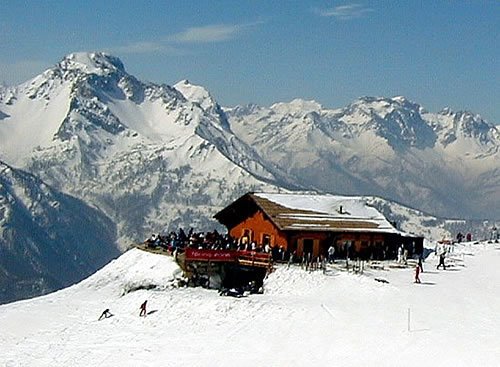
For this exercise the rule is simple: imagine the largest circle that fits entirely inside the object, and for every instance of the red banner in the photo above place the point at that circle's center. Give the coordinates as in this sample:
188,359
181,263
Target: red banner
210,255
193,254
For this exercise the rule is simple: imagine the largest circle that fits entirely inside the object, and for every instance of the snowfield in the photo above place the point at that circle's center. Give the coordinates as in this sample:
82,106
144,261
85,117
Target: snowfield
332,319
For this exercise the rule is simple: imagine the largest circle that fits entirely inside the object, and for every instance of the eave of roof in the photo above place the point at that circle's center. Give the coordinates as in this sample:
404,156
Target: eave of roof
287,218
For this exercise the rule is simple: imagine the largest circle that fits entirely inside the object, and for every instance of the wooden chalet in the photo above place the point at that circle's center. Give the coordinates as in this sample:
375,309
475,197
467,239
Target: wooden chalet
309,223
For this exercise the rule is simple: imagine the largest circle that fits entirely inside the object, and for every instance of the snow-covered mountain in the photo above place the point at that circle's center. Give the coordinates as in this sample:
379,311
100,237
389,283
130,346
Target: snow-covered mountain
148,155
153,156
48,240
447,163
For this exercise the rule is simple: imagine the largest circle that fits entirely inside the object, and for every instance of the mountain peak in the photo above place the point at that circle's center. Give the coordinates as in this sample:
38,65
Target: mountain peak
297,106
195,93
403,101
92,63
384,102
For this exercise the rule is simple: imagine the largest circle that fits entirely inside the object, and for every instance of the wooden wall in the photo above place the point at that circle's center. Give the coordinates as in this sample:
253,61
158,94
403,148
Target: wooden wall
363,245
259,226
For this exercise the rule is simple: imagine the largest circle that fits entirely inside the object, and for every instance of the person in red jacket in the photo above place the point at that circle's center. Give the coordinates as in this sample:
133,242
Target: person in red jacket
417,274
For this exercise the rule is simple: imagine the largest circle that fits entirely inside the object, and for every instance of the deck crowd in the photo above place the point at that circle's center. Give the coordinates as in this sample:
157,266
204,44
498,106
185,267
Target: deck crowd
178,241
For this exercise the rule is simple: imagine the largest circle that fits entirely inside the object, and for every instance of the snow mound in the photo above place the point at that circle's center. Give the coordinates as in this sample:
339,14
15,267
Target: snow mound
134,270
292,281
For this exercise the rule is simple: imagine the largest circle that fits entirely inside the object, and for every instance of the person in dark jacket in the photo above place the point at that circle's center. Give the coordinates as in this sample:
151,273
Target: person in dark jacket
441,260
420,263
105,314
143,308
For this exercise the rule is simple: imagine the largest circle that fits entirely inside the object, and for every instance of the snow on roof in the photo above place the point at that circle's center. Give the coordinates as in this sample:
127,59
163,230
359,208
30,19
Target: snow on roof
327,212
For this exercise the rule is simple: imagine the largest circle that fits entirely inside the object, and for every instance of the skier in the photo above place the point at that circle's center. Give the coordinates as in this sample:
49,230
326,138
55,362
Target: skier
105,314
442,255
143,308
400,254
417,273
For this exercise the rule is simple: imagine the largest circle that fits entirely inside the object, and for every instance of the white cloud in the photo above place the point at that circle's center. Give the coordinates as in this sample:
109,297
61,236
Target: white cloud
211,33
346,12
205,34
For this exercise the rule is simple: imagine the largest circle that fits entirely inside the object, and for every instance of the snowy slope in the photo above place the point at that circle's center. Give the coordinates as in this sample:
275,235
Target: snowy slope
303,318
48,240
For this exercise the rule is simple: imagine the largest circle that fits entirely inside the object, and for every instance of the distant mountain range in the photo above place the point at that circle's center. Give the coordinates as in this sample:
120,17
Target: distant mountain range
148,157
447,163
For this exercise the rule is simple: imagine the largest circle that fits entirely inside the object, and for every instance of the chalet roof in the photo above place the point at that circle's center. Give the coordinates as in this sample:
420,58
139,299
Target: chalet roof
322,212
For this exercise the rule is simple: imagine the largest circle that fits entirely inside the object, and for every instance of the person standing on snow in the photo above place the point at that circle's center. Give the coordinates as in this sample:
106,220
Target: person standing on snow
417,274
494,234
143,308
290,259
400,254
442,255
420,263
331,254
405,256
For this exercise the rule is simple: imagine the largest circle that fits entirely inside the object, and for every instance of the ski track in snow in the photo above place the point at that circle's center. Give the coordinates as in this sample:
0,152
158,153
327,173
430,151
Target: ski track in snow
335,319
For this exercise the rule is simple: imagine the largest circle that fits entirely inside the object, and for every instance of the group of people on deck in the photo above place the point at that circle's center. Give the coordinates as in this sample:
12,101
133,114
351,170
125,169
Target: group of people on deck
178,241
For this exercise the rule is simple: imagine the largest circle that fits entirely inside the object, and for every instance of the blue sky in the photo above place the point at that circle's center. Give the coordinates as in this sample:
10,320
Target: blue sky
437,53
